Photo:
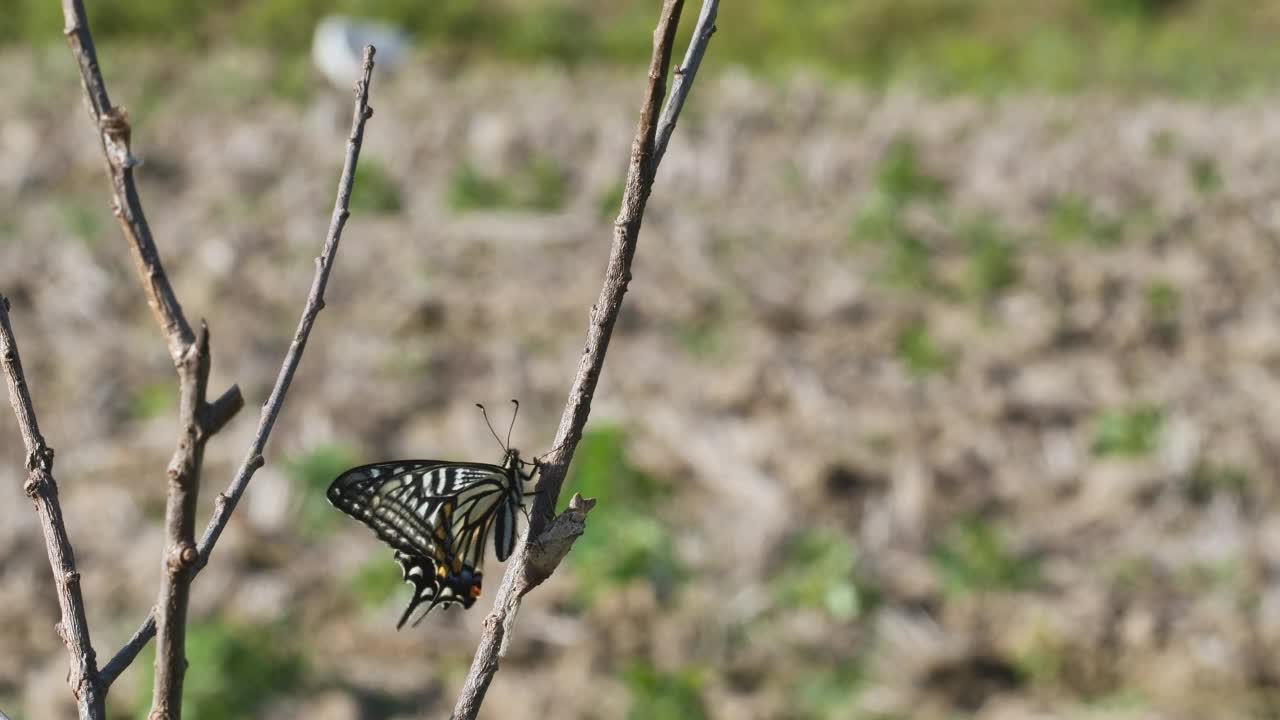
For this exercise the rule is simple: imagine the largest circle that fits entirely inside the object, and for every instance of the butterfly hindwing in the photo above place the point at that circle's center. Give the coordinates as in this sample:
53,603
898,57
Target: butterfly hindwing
434,584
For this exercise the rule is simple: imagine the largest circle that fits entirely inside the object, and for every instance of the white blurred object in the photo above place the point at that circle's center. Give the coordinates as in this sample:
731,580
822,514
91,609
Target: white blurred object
339,42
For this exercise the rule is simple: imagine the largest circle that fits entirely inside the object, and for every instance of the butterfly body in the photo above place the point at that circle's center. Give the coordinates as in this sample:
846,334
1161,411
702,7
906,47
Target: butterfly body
437,516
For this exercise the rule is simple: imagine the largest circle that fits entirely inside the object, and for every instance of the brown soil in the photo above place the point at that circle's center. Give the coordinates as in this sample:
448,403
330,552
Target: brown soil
756,372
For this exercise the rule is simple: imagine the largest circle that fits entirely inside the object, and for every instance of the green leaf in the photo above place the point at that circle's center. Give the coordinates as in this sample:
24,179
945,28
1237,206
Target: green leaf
657,695
311,473
1128,432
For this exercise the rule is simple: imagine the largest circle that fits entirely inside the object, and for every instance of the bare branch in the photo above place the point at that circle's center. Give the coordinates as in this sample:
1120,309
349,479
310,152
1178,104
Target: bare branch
198,419
180,527
114,133
226,502
531,563
685,74
73,628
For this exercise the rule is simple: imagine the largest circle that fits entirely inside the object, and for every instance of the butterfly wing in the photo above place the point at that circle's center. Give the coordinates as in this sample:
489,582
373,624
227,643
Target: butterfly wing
391,499
434,584
490,503
437,516
401,501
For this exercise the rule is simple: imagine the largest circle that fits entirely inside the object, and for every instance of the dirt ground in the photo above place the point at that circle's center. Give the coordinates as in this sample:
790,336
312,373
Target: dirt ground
954,407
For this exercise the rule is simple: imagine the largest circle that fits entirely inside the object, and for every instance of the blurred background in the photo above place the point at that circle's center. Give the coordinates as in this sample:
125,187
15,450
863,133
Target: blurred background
948,384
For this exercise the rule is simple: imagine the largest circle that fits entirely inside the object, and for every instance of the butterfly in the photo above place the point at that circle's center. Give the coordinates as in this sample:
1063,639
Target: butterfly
437,516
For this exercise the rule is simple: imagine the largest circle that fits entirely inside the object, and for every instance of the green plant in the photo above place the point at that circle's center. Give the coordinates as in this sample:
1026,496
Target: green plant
548,184
154,400
900,180
950,46
469,189
657,695
1204,175
293,79
1121,702
1073,218
906,262
900,176
1140,9
993,258
626,539
602,470
829,692
609,202
1164,143
1163,303
1205,576
1130,573
240,667
81,218
1041,657
541,185
311,473
374,191
820,571
1133,431
975,556
1208,481
918,350
376,582
553,32
905,259
705,335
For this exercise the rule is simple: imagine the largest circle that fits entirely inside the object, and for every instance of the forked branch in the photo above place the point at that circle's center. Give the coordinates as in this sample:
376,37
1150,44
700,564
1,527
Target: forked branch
198,419
532,562
226,501
73,627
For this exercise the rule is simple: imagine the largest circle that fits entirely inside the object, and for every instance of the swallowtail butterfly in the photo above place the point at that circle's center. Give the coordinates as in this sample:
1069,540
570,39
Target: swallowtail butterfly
437,516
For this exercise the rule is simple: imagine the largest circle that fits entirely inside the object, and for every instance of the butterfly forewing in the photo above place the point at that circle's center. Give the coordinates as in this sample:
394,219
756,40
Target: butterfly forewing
389,498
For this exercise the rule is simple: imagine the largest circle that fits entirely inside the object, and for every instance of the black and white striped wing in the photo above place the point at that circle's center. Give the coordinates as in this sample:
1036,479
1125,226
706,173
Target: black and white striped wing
484,506
435,584
402,501
437,516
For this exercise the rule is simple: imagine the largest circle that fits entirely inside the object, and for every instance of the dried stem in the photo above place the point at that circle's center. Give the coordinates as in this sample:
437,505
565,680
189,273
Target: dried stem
685,74
530,566
226,502
73,628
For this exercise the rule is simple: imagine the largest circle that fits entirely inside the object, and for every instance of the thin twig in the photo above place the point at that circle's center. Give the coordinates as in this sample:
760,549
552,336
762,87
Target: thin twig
225,503
685,74
114,133
522,574
43,491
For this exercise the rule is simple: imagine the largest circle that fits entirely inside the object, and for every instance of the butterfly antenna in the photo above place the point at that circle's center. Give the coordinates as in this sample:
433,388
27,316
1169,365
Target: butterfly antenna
485,413
513,420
